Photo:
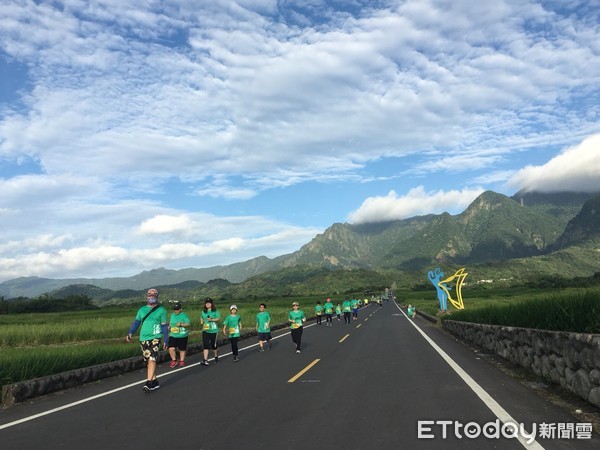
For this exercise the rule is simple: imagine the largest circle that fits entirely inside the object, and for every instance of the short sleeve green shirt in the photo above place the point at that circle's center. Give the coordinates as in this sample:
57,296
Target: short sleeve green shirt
174,330
151,328
232,325
210,327
297,317
263,322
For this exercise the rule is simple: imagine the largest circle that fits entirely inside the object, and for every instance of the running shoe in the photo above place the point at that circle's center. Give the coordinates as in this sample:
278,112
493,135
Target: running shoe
181,363
147,386
236,359
261,349
216,359
204,362
173,364
297,351
154,385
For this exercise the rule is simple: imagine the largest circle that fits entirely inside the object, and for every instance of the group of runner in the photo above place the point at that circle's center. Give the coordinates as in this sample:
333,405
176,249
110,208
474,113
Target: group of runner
174,331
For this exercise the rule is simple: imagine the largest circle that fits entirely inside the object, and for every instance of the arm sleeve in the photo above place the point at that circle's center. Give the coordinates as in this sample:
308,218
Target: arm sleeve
134,326
165,332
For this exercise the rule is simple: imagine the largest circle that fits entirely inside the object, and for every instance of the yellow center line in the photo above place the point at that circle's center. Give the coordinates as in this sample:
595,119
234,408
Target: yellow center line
358,326
303,371
366,319
344,338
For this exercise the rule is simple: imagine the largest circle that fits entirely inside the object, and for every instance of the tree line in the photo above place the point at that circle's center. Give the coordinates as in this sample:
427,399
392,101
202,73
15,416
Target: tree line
46,303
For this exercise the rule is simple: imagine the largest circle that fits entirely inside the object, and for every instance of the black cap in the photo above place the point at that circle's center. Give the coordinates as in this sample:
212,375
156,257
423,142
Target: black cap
177,306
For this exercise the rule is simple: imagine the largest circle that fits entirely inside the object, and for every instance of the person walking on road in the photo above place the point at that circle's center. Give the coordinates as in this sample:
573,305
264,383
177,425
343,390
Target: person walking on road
232,327
152,320
210,330
296,318
347,308
178,335
338,312
263,327
328,306
319,312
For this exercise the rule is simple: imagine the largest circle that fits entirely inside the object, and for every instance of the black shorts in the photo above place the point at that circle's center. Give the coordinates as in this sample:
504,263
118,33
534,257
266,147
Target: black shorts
180,343
264,336
209,340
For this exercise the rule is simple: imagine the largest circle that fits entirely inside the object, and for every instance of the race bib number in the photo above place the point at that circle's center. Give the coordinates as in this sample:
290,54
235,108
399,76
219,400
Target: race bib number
206,327
295,326
233,330
174,329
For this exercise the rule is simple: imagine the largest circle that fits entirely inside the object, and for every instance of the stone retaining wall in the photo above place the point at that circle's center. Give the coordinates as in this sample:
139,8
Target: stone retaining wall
18,392
569,359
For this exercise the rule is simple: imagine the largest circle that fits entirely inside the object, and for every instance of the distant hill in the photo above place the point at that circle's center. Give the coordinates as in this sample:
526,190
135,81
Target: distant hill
494,231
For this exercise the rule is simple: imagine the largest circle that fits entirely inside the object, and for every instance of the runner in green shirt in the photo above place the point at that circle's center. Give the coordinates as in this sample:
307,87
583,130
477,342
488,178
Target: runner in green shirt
347,308
178,335
210,330
328,306
232,327
296,318
338,312
319,312
263,327
153,320
354,306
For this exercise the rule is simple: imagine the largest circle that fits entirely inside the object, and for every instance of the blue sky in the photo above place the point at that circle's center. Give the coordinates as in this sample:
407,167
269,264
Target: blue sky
143,134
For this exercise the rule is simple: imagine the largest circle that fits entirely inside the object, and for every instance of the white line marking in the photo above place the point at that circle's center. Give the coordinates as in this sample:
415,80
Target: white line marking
492,404
113,391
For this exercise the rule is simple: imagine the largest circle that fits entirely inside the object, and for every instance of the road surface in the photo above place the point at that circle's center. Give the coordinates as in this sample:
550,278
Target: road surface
383,382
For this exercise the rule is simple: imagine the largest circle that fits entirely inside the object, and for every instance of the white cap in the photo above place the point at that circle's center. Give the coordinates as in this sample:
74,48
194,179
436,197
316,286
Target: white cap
233,307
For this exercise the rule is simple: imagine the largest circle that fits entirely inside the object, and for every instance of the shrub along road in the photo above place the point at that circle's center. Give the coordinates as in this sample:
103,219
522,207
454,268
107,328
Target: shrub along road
360,386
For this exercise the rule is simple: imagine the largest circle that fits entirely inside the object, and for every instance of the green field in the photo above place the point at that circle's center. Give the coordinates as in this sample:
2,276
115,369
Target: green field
569,309
40,344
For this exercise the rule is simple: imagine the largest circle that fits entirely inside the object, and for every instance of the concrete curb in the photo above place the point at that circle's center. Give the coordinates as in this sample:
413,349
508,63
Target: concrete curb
426,316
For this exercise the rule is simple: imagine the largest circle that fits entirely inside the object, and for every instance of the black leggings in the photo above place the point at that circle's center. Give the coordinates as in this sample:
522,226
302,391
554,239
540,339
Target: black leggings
347,317
319,318
234,345
297,337
328,318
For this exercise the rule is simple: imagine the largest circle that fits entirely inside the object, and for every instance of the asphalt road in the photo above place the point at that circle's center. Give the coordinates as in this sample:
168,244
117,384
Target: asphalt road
385,381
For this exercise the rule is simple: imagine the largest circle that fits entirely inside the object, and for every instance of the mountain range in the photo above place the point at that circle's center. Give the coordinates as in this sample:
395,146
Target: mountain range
527,235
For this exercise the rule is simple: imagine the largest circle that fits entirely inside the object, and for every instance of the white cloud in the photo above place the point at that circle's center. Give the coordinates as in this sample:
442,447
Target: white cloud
162,224
416,202
111,260
575,169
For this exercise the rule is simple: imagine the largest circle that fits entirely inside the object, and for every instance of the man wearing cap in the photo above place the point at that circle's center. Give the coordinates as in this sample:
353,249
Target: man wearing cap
178,335
152,320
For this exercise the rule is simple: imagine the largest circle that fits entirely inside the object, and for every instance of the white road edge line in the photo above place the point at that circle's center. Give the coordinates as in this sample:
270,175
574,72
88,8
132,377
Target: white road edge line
113,391
486,398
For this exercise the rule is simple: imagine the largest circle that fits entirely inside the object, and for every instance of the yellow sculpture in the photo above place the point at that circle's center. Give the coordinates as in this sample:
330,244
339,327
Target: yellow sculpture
458,278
